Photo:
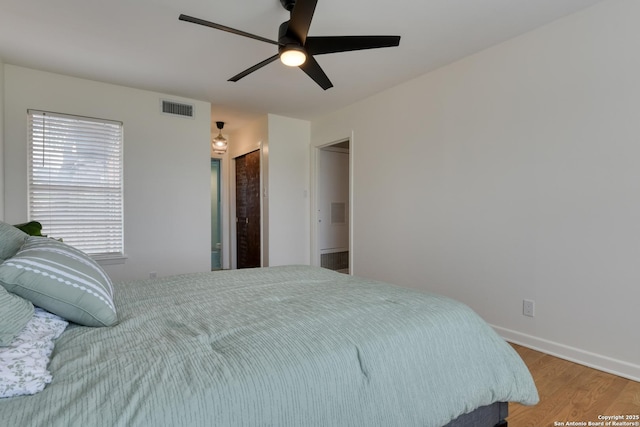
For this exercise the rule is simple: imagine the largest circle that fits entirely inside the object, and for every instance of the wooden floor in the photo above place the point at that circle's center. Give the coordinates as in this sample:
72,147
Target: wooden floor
574,393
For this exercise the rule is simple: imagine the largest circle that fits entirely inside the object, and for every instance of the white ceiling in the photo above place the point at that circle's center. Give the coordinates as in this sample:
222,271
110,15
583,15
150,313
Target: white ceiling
142,44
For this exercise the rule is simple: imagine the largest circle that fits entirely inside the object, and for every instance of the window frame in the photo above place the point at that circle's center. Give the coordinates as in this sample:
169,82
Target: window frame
104,169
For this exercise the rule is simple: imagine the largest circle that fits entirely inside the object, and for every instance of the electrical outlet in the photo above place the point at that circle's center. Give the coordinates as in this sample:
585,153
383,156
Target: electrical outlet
152,275
528,307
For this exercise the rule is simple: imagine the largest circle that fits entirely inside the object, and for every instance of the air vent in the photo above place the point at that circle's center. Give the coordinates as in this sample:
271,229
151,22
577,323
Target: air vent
335,260
177,109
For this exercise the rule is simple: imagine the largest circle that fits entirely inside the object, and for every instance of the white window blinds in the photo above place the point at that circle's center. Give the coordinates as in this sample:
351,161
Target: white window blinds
75,180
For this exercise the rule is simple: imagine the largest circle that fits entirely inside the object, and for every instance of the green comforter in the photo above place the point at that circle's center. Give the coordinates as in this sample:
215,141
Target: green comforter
281,346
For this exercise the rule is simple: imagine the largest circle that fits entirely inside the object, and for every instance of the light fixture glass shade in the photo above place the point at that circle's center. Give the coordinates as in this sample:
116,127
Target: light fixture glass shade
219,144
293,56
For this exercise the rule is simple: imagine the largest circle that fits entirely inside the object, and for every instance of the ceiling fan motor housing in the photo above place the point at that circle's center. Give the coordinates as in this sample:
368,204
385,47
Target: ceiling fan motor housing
284,37
288,4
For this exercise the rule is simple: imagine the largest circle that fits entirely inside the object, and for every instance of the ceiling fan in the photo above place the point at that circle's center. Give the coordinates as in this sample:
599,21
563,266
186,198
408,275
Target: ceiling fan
295,48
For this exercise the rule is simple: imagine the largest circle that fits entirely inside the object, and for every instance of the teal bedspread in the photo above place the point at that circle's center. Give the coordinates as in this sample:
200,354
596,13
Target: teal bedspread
280,346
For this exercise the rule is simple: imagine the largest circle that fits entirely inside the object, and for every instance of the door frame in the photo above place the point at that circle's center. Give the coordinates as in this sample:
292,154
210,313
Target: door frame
315,170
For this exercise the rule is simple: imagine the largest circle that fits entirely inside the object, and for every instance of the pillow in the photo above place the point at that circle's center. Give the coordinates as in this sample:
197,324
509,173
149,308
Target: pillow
10,240
15,312
61,279
23,364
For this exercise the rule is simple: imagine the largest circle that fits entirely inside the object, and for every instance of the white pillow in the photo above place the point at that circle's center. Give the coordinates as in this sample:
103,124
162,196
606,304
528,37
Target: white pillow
23,363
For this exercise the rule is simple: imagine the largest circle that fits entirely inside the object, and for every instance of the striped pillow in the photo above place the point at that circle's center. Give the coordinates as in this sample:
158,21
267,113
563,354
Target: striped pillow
62,280
11,238
15,312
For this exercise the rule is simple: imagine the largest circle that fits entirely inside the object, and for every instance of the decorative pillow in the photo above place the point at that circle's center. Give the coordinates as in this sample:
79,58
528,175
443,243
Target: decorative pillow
15,312
61,279
10,240
23,364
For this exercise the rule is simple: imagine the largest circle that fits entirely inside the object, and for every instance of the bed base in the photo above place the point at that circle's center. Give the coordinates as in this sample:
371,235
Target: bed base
494,415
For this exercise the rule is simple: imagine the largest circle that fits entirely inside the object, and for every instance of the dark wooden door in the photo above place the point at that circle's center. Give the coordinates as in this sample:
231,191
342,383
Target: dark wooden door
248,210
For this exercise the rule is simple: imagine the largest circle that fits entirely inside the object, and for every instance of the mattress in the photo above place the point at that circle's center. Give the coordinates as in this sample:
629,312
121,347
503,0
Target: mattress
278,346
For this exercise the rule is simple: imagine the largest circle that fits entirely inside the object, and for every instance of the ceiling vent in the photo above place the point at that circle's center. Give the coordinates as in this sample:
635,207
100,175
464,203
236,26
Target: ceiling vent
177,109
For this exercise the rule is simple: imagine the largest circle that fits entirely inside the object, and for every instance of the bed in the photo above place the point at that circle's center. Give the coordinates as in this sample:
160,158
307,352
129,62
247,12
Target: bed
277,346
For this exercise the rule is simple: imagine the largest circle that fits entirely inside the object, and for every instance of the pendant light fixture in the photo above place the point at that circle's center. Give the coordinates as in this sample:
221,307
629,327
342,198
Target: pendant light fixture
219,143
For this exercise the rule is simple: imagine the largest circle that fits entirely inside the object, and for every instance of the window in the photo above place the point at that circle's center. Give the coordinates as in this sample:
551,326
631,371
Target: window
75,180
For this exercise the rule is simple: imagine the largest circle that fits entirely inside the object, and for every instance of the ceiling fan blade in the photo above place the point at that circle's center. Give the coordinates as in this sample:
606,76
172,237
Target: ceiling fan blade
199,21
333,44
254,68
313,70
301,16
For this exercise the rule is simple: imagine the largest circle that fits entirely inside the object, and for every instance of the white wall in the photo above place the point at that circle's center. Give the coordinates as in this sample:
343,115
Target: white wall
284,144
166,166
514,174
1,139
288,191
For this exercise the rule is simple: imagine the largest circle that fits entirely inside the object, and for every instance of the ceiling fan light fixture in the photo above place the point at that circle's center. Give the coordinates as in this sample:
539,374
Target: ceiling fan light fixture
293,56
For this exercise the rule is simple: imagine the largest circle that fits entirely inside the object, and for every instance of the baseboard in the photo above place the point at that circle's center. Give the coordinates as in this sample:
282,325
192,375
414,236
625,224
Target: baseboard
572,354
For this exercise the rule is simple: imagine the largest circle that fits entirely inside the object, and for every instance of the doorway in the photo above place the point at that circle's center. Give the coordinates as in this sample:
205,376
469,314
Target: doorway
216,217
333,207
248,248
